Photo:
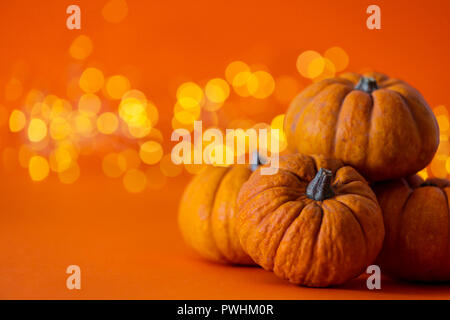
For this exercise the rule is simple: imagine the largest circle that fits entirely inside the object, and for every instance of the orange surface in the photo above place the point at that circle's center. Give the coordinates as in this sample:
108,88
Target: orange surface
128,245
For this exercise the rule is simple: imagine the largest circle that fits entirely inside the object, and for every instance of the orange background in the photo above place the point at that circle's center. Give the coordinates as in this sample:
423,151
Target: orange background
128,245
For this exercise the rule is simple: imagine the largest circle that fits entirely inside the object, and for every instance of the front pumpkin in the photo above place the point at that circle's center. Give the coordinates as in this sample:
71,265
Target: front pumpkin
417,222
382,127
312,227
207,214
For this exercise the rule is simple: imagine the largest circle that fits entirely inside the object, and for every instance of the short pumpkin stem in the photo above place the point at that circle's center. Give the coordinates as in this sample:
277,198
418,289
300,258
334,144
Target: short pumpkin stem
367,84
259,161
319,188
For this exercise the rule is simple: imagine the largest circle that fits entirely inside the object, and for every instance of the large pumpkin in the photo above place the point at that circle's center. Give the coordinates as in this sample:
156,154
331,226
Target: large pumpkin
417,222
315,222
207,214
382,127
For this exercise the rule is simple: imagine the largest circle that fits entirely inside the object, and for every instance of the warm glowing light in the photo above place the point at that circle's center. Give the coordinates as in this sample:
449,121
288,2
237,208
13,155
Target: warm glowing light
438,166
81,47
168,168
41,110
133,112
117,86
89,104
152,113
217,90
338,57
83,125
328,71
60,160
260,84
107,123
423,174
440,110
38,168
151,152
134,181
37,130
91,80
59,128
13,89
316,67
33,96
240,83
17,121
115,11
189,95
70,175
233,69
59,107
114,165
305,59
443,123
194,168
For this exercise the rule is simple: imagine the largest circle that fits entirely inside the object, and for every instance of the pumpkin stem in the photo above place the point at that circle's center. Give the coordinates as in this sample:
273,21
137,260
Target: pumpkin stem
367,84
259,161
319,188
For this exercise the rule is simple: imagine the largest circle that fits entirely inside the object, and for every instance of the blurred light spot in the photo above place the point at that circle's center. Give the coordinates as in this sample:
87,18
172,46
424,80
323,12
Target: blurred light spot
115,11
438,166
305,59
13,89
152,113
189,95
107,123
41,110
114,165
261,84
133,112
286,89
81,47
443,123
117,86
423,174
89,104
37,130
338,57
60,107
59,128
151,152
60,160
155,179
83,125
440,110
240,83
234,68
194,168
156,135
134,181
17,121
217,90
316,67
38,168
70,175
91,80
328,71
168,168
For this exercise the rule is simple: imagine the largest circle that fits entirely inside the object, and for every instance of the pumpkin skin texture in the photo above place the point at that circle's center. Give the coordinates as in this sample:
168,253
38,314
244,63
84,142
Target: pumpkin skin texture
380,126
316,243
207,214
417,222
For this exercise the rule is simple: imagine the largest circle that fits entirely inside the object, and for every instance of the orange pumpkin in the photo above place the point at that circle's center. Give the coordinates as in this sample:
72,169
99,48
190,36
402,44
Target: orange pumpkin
417,222
382,127
315,222
207,214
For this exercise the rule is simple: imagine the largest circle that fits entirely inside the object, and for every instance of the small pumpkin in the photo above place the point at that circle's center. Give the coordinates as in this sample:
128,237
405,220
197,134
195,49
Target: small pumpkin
207,214
382,127
315,223
417,222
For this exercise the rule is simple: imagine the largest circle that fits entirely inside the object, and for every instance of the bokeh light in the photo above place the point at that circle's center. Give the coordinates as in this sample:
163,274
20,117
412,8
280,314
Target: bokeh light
38,168
17,121
217,90
134,181
117,86
115,11
37,130
151,152
107,123
91,80
81,47
338,57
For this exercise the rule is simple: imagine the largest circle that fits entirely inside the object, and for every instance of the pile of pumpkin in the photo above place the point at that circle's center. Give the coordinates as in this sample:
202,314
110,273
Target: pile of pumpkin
345,198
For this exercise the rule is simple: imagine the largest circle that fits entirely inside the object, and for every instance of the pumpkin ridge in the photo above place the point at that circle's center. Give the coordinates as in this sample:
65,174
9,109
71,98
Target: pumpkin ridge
357,220
336,125
316,239
369,130
402,211
211,215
